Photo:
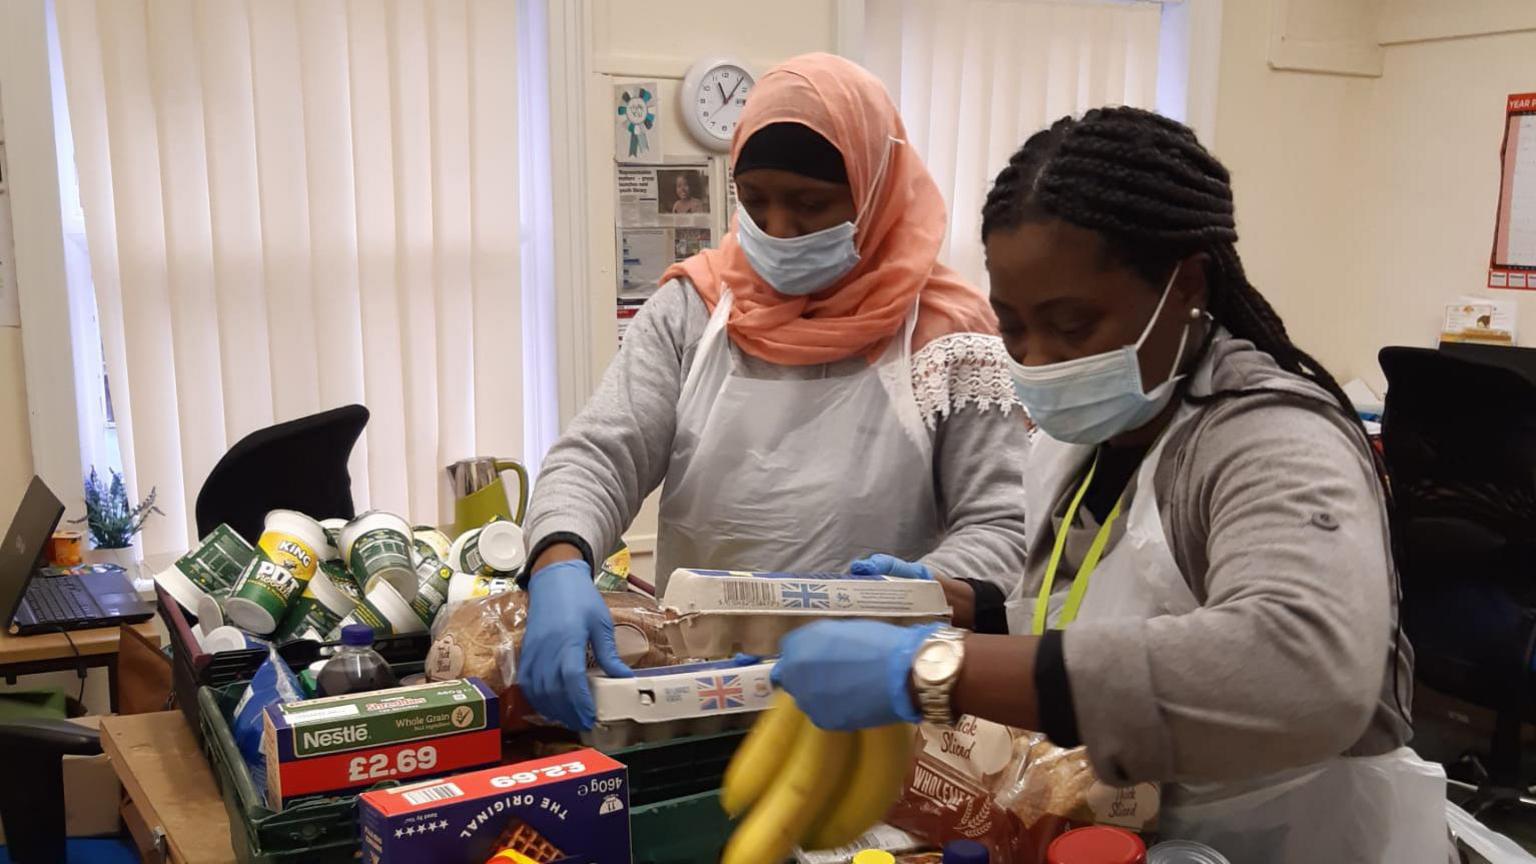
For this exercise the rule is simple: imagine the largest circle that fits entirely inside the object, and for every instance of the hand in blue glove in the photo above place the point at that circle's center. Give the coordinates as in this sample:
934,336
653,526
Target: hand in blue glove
889,565
565,613
848,675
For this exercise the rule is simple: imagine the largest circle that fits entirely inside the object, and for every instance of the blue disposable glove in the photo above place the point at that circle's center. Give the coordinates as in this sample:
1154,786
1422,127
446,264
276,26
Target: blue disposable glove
889,565
565,614
848,675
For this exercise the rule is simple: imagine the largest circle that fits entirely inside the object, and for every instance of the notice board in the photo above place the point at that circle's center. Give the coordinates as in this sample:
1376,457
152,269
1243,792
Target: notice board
1513,264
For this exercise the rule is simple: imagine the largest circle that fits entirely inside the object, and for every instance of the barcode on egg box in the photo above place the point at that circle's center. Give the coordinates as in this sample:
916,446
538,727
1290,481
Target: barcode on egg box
835,593
751,595
435,792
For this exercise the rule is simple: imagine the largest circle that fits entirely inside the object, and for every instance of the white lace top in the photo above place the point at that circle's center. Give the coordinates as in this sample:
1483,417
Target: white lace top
962,369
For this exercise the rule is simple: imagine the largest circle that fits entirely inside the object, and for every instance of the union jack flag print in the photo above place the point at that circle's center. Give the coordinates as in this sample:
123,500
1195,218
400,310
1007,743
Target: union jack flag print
804,595
720,692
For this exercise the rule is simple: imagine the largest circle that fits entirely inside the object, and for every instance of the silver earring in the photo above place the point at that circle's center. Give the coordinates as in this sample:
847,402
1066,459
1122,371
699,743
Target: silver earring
1194,314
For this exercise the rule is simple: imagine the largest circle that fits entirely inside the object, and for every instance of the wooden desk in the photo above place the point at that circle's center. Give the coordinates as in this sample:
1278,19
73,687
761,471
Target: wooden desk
166,776
52,652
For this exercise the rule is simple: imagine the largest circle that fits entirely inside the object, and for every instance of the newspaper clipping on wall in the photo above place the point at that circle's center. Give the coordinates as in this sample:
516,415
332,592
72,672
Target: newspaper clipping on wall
664,216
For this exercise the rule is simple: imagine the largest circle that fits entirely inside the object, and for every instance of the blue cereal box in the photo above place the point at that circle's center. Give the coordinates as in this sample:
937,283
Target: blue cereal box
572,808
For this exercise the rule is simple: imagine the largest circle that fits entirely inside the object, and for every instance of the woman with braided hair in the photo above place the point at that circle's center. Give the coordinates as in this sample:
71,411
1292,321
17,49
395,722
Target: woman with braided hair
1210,599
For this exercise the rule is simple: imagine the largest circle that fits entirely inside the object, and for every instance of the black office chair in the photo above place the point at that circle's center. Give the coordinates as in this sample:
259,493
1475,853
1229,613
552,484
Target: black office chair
32,798
1460,446
298,465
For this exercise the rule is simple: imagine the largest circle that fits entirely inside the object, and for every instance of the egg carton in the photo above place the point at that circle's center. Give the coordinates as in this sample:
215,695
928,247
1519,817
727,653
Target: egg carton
718,613
677,701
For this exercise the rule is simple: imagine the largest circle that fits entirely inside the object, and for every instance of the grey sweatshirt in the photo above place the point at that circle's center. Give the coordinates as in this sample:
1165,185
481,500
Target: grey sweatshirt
1274,515
617,450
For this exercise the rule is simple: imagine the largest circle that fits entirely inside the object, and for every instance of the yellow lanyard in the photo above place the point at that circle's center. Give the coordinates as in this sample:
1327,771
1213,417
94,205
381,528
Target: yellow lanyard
1084,572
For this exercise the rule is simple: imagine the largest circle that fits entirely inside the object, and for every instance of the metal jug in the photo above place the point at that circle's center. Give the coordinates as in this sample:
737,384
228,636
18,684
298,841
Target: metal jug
480,495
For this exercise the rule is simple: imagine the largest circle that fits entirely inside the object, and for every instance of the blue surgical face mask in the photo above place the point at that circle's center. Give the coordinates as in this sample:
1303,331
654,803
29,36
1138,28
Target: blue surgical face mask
1092,399
798,265
803,265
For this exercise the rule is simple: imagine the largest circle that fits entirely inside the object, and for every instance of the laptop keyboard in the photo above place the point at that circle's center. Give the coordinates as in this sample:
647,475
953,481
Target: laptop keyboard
61,598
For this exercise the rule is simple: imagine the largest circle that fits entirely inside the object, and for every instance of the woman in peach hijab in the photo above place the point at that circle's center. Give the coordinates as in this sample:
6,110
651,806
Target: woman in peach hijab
816,390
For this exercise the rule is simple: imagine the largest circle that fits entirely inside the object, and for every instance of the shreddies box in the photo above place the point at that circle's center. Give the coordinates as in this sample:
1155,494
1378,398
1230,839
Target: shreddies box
341,743
572,808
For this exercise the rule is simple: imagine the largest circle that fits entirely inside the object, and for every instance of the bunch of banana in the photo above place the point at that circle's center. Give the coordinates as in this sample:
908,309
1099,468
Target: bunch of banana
803,786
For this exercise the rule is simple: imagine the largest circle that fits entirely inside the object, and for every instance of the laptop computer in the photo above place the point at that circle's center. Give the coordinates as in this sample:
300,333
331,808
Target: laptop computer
35,603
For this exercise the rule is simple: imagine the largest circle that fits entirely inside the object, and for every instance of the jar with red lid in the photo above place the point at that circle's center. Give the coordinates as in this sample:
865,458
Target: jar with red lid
1097,845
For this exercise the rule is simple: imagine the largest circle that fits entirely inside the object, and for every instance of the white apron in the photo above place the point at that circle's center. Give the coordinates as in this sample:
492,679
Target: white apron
1387,809
793,474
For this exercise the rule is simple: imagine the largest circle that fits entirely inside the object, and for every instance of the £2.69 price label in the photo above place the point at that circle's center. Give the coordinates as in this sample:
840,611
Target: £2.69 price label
380,766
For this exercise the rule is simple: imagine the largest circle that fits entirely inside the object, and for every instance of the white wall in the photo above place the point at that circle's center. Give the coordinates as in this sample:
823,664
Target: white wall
15,441
1428,168
659,40
1285,136
1366,201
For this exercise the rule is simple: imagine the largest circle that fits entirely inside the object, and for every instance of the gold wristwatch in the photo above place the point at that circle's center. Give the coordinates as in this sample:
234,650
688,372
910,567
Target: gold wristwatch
935,669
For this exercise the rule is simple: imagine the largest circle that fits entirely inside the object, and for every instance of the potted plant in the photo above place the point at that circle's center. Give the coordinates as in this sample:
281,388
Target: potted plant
113,523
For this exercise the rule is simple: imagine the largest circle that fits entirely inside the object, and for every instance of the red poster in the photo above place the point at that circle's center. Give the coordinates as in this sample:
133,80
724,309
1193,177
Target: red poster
1513,262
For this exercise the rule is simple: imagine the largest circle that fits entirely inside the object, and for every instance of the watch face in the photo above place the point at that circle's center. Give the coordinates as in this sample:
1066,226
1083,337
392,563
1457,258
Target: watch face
936,662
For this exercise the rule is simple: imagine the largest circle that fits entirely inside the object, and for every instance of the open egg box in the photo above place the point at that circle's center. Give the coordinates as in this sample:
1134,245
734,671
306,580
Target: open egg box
677,701
718,613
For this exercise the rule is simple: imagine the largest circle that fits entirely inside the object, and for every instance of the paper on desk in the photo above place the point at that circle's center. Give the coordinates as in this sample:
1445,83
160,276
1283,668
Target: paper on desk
1363,397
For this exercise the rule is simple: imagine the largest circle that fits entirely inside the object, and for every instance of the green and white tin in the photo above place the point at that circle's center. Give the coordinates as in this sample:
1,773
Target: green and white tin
365,613
377,547
435,539
210,570
332,528
465,586
497,548
341,577
385,611
319,609
432,580
262,596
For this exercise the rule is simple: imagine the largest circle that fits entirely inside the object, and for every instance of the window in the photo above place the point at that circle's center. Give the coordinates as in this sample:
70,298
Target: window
974,78
283,208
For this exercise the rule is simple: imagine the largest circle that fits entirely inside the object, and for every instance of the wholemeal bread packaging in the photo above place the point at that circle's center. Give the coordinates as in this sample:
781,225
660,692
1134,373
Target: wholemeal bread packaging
1010,790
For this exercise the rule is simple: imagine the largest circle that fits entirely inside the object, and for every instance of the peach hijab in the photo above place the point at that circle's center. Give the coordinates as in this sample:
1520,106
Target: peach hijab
901,226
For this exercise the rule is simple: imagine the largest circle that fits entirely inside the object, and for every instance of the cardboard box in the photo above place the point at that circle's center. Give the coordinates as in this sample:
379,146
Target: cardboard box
569,808
342,743
91,791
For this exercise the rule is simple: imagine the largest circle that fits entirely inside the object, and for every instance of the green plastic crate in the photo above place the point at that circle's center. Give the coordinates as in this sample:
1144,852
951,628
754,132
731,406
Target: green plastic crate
675,815
690,830
321,831
681,768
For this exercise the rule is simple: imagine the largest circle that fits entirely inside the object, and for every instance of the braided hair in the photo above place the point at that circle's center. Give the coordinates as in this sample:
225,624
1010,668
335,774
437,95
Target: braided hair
1145,184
